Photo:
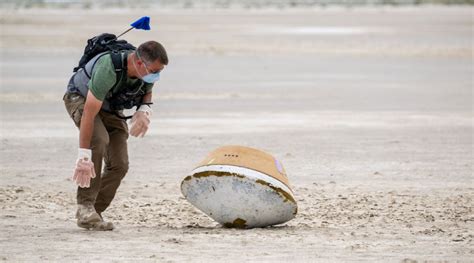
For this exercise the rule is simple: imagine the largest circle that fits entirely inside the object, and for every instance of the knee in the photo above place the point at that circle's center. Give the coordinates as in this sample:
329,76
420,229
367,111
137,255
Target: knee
99,143
121,168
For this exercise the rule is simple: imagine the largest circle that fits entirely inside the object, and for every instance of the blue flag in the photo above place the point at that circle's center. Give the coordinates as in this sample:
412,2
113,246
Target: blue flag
142,23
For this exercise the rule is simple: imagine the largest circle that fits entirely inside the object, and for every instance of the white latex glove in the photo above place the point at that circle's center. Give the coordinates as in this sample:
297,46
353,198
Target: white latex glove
84,170
140,121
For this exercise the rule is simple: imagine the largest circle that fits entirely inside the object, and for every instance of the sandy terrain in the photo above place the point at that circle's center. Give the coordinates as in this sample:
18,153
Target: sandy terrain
370,111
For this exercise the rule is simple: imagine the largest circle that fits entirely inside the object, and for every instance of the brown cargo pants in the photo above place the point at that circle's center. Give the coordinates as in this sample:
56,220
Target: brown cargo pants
109,143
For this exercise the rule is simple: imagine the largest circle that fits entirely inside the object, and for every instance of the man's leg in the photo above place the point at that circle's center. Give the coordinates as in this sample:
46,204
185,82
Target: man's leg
116,161
86,215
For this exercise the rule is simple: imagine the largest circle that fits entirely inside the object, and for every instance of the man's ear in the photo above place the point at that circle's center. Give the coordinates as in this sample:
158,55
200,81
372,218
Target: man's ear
135,57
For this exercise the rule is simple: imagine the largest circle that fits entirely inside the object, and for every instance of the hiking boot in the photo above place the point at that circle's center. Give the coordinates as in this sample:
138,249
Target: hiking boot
87,217
103,226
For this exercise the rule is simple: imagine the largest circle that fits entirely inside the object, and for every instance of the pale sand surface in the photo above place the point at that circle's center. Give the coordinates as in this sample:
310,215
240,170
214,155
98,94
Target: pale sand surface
370,111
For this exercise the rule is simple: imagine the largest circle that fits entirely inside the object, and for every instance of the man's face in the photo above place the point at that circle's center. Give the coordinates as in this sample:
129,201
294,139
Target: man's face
146,68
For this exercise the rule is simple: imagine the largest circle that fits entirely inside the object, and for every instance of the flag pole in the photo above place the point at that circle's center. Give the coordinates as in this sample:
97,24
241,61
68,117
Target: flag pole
124,32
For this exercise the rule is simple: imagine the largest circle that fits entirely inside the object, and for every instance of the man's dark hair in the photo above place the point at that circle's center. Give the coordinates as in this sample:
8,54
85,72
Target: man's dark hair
151,51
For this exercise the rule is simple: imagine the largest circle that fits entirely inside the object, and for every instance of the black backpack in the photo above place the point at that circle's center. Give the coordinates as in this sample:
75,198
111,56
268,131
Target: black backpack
127,98
102,43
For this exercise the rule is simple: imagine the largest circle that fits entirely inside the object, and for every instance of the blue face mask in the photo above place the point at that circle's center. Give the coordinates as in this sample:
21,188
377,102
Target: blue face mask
150,78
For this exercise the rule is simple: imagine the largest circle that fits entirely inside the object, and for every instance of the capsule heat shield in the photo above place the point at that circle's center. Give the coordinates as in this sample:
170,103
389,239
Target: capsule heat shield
241,187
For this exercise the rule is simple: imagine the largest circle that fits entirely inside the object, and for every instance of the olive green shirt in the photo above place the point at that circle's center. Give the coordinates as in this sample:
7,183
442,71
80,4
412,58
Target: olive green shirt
104,77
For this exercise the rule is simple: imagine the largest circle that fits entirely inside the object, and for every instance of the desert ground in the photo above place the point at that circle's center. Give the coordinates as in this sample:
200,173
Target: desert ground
369,109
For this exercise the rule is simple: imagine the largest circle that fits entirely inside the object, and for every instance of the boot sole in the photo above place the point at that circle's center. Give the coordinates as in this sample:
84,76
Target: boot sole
103,226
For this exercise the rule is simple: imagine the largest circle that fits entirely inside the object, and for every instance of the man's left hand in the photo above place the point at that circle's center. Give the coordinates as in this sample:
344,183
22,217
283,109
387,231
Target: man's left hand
140,121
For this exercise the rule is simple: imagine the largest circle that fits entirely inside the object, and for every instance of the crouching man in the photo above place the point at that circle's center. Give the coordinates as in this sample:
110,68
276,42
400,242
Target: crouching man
95,99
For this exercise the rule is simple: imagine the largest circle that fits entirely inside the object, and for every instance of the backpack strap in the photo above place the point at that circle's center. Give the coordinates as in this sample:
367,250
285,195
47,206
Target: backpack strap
120,65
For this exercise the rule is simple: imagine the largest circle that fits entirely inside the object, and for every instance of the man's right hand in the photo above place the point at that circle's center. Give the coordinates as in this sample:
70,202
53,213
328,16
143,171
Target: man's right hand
84,170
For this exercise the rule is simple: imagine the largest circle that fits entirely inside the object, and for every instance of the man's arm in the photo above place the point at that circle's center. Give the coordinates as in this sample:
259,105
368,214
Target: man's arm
147,97
84,170
91,108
